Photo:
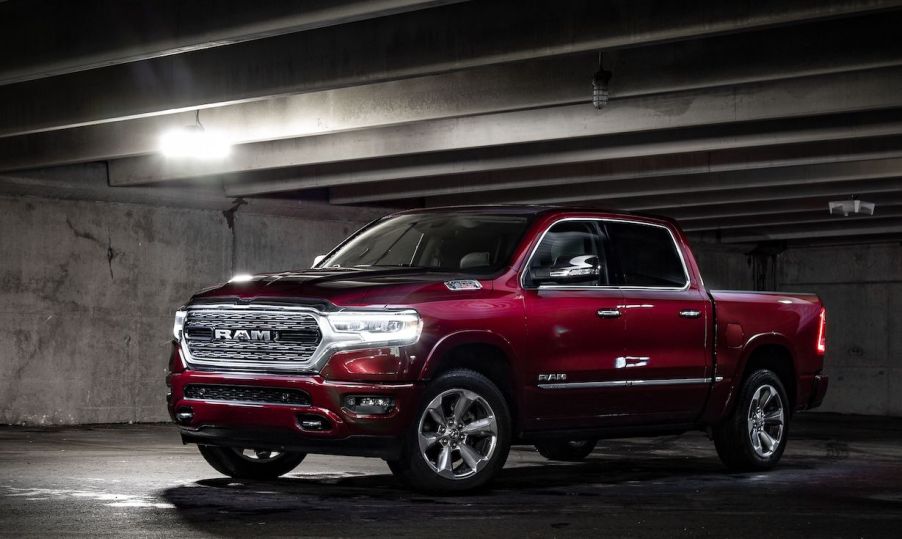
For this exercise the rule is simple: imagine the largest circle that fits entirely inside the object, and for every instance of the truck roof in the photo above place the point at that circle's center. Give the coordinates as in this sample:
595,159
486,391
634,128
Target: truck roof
536,209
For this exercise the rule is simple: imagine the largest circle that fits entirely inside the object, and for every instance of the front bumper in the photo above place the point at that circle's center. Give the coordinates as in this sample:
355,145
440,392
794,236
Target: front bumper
279,426
386,447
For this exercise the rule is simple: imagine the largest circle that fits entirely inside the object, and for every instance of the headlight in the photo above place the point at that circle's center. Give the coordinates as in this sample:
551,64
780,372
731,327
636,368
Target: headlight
179,324
388,328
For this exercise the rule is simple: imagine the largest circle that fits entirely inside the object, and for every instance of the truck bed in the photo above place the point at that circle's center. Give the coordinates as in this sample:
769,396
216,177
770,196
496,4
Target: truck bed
746,320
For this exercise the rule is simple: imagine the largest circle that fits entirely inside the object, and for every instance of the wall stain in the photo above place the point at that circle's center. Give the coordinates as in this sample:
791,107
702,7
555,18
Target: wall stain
110,254
25,349
229,215
82,234
50,289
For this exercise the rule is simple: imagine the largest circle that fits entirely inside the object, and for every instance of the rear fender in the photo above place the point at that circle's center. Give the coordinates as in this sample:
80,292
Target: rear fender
757,341
729,396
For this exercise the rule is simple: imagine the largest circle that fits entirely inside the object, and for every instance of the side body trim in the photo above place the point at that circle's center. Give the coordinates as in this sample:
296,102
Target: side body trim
630,383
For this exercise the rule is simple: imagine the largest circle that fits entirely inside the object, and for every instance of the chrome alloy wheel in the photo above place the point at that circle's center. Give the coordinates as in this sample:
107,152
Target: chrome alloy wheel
257,455
765,421
457,434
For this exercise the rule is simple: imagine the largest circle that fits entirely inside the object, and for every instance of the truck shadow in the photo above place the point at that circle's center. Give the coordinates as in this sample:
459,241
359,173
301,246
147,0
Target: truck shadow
315,500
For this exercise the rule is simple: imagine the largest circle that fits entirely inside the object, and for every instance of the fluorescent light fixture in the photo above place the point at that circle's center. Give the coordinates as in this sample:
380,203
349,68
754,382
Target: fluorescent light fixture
851,207
194,142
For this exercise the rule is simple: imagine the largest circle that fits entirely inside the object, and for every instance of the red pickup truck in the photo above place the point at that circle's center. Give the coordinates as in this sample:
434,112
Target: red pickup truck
435,339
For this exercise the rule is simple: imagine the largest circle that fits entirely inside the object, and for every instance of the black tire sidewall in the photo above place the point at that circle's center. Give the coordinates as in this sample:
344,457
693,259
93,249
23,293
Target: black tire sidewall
562,450
413,469
733,443
227,462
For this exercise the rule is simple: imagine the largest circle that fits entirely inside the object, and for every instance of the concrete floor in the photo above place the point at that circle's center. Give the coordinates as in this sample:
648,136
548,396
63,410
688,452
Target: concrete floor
841,477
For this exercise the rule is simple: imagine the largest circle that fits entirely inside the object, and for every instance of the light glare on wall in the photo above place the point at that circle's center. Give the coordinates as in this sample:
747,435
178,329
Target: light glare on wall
194,142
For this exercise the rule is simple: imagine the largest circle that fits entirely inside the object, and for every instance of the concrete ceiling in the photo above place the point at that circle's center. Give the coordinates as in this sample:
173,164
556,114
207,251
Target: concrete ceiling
741,119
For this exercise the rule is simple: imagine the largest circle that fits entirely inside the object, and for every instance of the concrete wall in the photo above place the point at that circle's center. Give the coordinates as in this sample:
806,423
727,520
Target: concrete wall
88,289
89,280
724,267
861,285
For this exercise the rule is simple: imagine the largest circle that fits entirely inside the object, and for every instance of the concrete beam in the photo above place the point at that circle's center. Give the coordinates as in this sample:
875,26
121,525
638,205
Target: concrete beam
453,166
841,229
669,201
816,95
621,169
687,186
105,33
460,93
88,182
424,42
816,216
825,47
771,208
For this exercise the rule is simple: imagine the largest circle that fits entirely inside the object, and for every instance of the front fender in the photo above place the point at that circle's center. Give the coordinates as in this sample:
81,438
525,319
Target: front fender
461,338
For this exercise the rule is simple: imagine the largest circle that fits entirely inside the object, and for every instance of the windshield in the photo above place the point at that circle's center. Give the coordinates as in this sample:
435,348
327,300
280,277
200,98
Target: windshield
470,243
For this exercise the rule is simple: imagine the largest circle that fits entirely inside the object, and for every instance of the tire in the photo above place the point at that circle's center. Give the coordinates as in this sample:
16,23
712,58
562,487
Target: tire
566,450
742,440
459,455
258,465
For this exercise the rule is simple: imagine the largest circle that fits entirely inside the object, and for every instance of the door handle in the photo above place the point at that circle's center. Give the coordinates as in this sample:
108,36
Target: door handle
608,313
625,362
690,313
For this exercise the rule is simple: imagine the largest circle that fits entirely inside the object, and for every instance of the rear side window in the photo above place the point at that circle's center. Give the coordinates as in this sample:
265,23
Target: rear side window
646,256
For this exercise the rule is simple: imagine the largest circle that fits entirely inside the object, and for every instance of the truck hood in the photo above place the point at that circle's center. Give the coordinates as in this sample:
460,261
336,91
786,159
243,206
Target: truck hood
337,286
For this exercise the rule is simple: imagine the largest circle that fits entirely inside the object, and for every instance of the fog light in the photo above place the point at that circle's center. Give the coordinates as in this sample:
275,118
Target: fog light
369,404
313,422
184,415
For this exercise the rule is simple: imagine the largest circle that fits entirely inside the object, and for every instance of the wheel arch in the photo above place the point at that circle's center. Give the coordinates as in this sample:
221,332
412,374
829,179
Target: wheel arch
484,352
771,351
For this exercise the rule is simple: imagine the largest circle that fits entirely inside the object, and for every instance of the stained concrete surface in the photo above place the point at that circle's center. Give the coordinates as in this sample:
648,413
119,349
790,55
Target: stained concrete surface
841,477
89,284
88,290
861,286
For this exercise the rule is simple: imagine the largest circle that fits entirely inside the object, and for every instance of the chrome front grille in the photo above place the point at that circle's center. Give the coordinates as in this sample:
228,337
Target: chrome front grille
278,320
251,338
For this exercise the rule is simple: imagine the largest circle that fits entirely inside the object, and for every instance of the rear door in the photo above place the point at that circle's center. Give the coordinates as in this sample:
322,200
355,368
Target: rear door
665,356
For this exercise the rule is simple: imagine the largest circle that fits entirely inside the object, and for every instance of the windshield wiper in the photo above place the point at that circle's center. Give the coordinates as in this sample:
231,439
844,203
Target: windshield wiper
410,266
402,265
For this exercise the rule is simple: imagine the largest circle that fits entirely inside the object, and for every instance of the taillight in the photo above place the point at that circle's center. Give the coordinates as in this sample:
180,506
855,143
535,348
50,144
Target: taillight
822,333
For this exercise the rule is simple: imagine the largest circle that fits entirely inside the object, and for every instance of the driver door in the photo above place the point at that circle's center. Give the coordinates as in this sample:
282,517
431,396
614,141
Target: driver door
576,331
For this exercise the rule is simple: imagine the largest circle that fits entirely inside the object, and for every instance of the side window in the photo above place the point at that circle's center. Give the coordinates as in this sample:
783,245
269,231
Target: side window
569,254
646,256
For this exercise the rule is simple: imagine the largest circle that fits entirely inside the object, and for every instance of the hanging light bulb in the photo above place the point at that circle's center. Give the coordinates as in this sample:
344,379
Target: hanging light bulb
600,82
194,142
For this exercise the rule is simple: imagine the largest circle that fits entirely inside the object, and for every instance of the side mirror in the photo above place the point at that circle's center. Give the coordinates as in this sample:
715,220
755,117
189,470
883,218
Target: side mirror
576,269
317,259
